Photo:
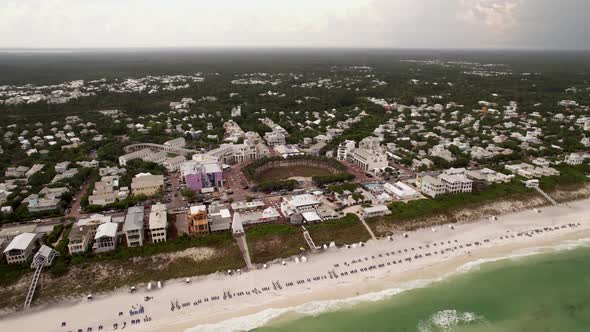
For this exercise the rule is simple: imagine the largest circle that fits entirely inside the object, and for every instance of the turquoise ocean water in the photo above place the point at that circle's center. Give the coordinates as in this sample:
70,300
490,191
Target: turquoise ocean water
546,292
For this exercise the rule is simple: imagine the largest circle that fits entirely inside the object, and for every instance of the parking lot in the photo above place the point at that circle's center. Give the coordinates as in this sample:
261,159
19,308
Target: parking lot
173,197
360,175
235,182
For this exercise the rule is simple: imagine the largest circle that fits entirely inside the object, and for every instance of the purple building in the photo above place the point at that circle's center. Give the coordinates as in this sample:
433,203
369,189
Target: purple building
199,174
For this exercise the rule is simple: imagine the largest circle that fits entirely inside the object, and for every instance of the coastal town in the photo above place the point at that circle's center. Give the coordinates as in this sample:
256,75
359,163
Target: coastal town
294,166
267,157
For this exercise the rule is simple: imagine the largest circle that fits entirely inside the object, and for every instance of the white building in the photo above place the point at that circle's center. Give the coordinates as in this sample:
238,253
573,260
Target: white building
368,160
375,211
9,233
432,186
173,164
299,204
231,153
106,237
242,206
20,249
287,151
456,183
102,199
344,149
495,177
176,143
45,255
236,111
441,152
274,139
141,154
219,218
62,167
574,159
269,214
370,143
158,223
401,190
133,226
79,239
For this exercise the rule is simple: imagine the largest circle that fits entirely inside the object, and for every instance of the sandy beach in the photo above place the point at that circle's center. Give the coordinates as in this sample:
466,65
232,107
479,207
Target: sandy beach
213,302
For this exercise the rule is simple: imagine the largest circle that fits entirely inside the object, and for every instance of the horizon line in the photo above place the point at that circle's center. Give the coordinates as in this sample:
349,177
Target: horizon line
266,48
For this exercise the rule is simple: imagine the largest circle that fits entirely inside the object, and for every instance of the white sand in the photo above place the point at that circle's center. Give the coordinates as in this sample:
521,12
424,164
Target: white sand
104,310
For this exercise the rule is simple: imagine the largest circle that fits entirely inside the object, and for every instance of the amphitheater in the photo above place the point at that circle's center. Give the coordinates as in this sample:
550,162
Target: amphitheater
294,168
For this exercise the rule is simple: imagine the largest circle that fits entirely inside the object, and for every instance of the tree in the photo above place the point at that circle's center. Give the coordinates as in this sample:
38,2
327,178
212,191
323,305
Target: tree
189,194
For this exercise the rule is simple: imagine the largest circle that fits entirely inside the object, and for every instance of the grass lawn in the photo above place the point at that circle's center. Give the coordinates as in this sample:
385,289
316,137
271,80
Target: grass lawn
268,242
345,230
280,173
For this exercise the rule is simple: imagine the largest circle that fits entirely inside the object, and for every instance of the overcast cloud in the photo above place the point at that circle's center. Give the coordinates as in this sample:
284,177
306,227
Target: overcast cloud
293,23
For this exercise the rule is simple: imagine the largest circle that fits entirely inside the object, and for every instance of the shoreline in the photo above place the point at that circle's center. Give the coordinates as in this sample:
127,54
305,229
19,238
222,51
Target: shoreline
497,239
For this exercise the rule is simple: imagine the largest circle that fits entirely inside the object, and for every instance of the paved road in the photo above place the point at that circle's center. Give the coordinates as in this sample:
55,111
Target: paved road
234,180
75,209
404,169
360,175
177,201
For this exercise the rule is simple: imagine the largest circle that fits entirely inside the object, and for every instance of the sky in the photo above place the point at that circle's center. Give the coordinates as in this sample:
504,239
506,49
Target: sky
537,24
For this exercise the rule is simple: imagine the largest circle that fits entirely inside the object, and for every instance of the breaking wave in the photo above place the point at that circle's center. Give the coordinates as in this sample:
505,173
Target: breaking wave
448,320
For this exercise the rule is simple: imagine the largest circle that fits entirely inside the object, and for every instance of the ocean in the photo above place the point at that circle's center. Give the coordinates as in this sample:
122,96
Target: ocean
544,292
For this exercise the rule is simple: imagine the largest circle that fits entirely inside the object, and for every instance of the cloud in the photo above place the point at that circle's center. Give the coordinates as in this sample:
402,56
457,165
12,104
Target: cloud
498,15
315,23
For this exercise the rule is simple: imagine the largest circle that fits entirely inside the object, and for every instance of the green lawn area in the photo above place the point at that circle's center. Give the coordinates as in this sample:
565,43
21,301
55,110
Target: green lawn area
280,173
570,175
10,274
268,242
345,230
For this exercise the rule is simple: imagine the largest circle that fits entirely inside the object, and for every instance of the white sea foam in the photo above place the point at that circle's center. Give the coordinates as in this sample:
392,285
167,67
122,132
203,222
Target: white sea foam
438,321
448,320
307,309
568,245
